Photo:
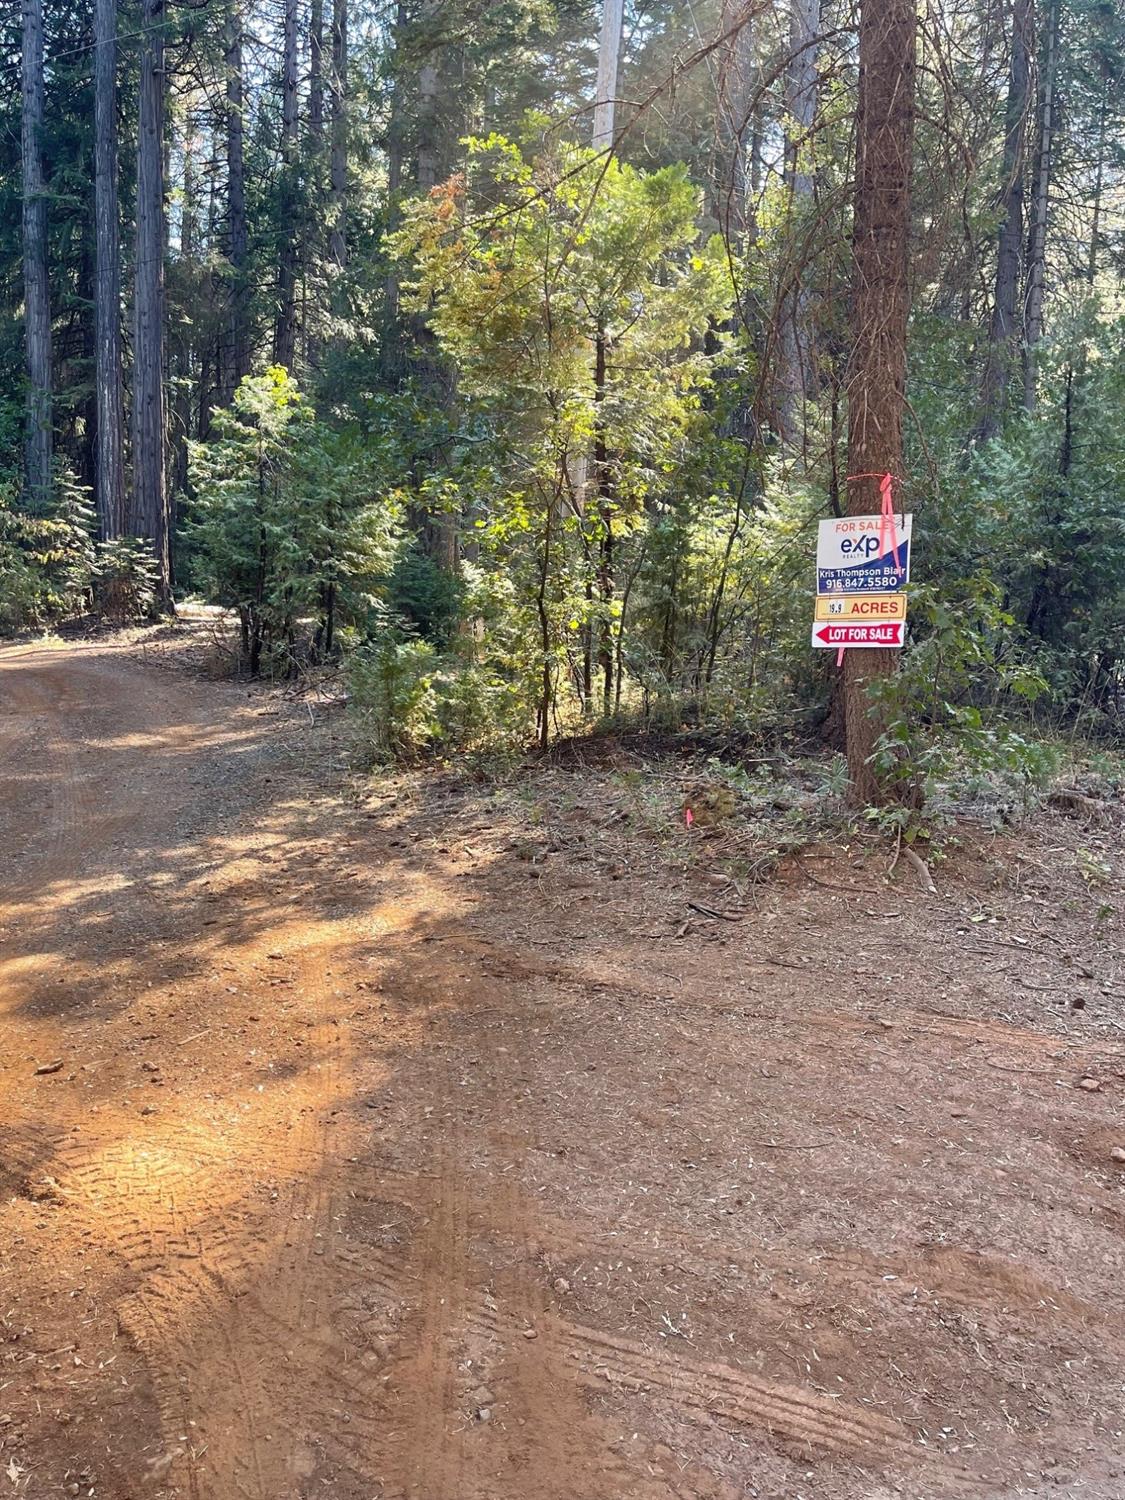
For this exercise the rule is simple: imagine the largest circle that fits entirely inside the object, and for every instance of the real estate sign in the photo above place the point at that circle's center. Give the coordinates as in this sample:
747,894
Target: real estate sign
862,566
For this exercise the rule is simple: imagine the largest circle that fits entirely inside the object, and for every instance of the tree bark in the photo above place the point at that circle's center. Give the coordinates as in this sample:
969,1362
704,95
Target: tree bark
396,123
801,81
109,486
285,332
338,86
1040,205
36,286
238,316
734,124
609,62
428,154
1004,328
1099,182
86,406
884,139
181,344
149,516
316,73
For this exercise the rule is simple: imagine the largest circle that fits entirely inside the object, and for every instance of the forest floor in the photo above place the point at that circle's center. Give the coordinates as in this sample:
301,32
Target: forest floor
415,1139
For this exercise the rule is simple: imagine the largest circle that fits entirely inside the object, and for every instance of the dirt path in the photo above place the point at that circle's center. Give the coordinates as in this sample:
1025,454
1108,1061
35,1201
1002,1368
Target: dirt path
381,1162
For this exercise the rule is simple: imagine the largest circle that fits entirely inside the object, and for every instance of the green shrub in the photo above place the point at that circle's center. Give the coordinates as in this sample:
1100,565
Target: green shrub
392,686
955,712
46,561
124,580
288,524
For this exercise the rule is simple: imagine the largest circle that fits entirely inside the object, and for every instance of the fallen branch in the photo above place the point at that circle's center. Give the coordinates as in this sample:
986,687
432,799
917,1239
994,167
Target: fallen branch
1004,1068
921,869
898,850
793,1145
194,1037
709,911
829,885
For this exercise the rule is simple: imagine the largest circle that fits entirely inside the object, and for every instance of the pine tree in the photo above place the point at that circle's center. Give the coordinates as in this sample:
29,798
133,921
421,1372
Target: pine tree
109,394
149,515
884,138
36,286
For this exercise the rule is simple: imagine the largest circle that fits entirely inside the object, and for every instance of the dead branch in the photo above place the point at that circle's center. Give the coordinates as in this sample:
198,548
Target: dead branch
921,869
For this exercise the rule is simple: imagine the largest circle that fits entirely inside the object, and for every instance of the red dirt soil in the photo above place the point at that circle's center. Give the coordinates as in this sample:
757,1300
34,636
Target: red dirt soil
384,1158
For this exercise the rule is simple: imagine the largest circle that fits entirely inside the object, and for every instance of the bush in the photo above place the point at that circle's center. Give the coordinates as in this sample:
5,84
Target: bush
410,697
46,561
289,527
124,580
951,711
392,685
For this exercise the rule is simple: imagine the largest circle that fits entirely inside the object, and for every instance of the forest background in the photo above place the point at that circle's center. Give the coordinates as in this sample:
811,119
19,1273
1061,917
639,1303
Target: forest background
355,319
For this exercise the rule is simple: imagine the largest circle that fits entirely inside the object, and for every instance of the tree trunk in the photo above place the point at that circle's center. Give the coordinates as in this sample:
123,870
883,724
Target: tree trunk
1004,327
396,124
609,61
237,238
312,218
884,138
438,529
36,287
1040,203
606,565
285,332
801,80
338,85
1099,183
801,100
428,154
316,77
181,351
396,113
150,501
86,406
109,487
735,90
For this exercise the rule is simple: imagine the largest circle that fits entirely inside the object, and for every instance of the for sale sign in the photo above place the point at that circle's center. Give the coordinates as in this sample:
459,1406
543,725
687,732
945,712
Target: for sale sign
841,607
863,554
835,637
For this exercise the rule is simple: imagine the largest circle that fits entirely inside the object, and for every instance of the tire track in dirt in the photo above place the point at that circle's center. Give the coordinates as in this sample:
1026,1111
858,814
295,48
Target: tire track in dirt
541,1370
191,1242
429,1457
215,1335
315,1318
802,1420
798,1420
50,692
330,1255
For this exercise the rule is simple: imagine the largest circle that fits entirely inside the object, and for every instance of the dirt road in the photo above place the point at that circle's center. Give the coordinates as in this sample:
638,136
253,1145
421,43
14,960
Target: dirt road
348,1151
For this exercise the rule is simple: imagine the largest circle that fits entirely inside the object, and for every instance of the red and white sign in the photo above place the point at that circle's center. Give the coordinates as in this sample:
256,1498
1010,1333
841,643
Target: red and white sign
834,637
